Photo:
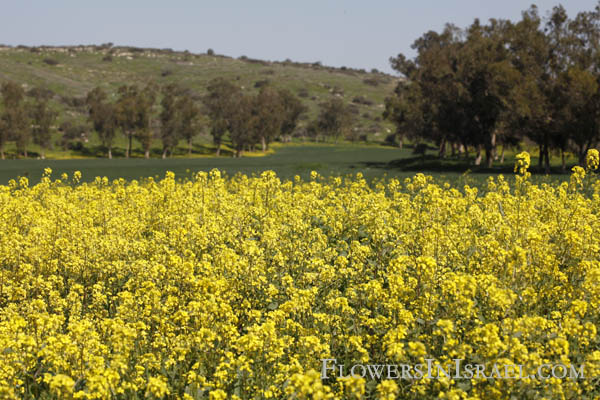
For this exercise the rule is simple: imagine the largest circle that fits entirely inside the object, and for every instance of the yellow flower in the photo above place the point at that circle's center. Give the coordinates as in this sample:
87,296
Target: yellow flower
387,390
523,162
577,177
60,384
218,285
592,159
157,387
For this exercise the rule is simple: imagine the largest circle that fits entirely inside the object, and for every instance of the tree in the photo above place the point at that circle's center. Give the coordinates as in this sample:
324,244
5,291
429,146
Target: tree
558,103
180,118
144,123
533,105
189,119
103,116
335,119
268,115
42,117
220,103
580,82
465,79
240,122
126,108
404,109
134,112
15,122
580,114
168,120
72,134
431,104
497,83
488,76
292,111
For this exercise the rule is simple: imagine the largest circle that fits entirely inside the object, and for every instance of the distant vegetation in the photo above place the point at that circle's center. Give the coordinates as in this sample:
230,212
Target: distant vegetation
90,92
248,120
493,86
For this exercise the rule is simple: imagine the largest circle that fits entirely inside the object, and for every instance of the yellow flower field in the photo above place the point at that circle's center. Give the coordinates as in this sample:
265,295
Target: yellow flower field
215,288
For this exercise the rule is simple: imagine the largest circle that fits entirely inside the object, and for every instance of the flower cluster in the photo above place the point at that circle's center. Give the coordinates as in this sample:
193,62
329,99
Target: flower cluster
237,288
523,162
592,159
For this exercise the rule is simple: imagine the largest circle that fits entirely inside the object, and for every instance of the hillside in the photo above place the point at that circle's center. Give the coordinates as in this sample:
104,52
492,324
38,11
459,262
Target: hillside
70,72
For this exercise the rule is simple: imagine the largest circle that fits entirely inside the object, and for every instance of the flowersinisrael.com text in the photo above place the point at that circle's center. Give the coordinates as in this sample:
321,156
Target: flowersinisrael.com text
458,370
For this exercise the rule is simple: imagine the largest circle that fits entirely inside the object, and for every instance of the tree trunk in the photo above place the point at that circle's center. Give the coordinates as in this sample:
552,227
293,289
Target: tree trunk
147,154
547,159
490,150
489,157
43,154
541,158
563,166
189,147
25,153
442,150
2,154
110,153
478,156
129,142
263,143
218,152
164,153
400,140
502,154
582,157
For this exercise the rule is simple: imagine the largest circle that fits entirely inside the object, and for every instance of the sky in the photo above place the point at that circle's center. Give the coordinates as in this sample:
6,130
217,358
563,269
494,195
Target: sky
351,33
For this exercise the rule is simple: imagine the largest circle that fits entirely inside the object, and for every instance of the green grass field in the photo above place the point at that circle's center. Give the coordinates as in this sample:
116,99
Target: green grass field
373,161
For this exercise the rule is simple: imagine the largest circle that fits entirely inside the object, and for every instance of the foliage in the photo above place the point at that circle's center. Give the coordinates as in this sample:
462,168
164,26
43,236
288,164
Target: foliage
134,114
494,84
103,116
220,104
335,119
42,118
15,124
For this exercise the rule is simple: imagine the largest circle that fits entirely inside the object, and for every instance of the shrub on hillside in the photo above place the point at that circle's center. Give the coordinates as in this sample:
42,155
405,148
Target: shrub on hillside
362,100
303,92
40,93
371,81
261,83
50,61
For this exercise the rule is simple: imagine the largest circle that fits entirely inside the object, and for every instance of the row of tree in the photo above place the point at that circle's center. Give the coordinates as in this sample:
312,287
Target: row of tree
171,114
22,121
131,114
250,119
494,85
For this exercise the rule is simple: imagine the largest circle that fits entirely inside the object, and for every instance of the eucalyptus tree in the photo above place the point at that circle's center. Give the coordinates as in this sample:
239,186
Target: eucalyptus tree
103,116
